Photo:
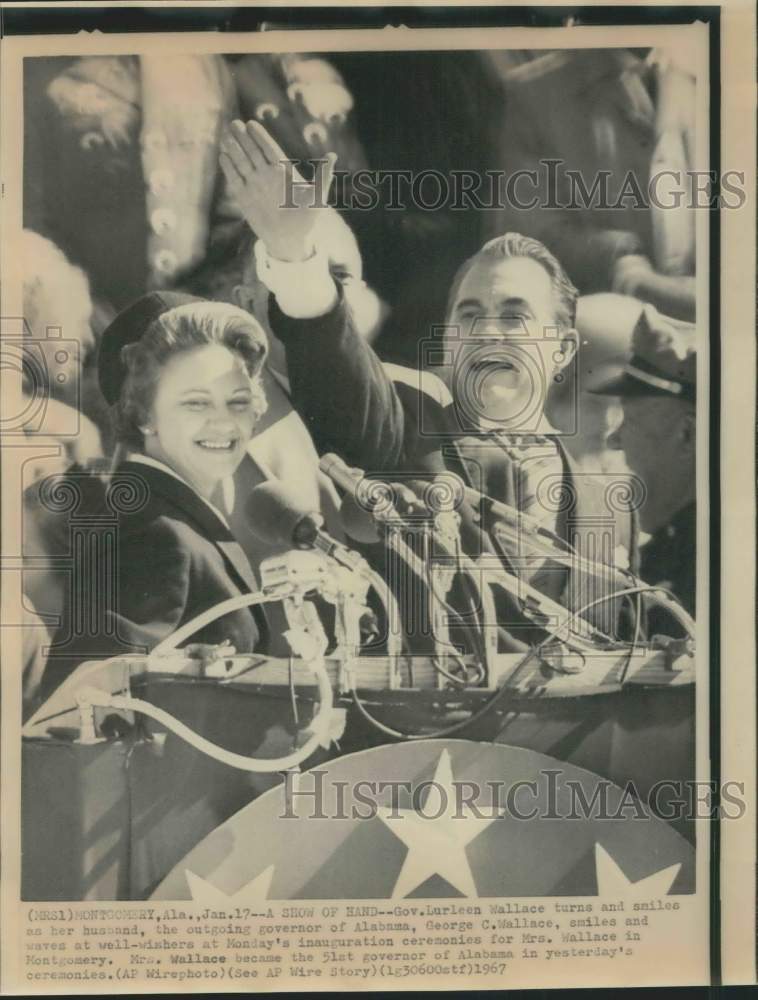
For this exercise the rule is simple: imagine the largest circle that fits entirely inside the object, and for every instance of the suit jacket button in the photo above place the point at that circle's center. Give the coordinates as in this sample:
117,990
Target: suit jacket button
165,262
154,140
315,134
91,140
266,110
161,181
163,220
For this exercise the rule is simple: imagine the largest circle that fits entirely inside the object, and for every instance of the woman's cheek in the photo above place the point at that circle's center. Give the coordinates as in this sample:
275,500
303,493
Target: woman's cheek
247,425
190,421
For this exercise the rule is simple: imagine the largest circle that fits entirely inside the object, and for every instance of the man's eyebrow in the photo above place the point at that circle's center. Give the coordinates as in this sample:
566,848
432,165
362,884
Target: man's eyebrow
513,302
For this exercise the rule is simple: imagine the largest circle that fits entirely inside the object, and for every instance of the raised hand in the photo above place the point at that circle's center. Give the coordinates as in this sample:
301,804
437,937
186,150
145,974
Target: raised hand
279,206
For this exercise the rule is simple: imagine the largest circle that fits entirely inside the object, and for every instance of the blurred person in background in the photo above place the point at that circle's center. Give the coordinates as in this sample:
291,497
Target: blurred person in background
657,436
417,113
132,143
587,421
604,322
620,118
131,140
66,424
58,310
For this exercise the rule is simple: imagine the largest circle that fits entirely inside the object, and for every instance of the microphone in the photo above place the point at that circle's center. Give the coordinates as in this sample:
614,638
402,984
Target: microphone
521,525
370,502
358,522
366,505
340,473
374,495
361,523
276,515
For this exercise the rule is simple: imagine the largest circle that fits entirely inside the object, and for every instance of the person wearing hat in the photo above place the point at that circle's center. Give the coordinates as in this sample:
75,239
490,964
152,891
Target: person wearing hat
657,389
183,377
587,420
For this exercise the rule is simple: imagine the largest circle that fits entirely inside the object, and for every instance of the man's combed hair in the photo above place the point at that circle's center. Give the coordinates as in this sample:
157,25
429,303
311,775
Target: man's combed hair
516,245
185,328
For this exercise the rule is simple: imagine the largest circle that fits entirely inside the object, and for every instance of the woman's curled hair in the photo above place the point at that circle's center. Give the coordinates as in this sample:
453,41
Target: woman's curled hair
185,328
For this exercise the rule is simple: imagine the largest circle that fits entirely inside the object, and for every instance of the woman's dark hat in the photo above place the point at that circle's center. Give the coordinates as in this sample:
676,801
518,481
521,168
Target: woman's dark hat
127,328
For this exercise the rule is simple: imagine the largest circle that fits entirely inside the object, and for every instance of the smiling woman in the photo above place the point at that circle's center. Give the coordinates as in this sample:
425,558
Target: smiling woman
183,376
191,397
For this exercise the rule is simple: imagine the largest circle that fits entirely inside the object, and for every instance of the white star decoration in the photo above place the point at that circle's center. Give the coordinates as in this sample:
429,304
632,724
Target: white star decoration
254,891
436,846
611,881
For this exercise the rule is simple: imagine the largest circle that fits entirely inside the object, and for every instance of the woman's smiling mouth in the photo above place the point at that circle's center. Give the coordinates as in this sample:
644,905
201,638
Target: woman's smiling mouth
225,445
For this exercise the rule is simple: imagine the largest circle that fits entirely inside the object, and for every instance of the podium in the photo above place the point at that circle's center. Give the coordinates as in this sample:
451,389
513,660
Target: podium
109,819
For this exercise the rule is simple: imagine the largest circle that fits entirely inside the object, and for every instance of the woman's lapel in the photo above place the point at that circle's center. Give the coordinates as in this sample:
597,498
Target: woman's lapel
190,507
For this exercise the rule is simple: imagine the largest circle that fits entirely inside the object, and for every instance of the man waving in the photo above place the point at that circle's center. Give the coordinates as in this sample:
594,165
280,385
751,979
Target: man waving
508,333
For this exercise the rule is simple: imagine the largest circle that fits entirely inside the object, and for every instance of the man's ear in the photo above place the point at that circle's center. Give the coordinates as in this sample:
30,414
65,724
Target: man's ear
568,348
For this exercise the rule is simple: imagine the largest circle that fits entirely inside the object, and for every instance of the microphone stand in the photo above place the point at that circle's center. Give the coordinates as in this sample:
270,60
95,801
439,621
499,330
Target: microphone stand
443,531
343,578
545,612
304,640
448,537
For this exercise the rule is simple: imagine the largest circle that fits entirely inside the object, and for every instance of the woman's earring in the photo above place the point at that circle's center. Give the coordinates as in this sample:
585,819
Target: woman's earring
147,430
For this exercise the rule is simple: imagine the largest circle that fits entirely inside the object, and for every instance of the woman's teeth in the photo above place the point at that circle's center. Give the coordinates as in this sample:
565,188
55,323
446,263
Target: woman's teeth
217,445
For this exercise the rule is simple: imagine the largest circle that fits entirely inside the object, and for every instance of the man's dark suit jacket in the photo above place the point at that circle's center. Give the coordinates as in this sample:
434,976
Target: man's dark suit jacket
175,558
354,408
